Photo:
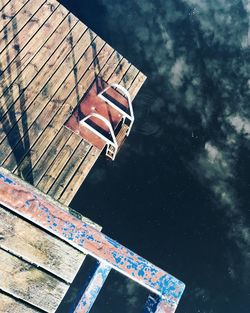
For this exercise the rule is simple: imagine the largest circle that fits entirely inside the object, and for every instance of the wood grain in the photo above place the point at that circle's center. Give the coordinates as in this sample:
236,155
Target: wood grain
8,10
38,112
12,305
12,29
38,247
23,280
37,22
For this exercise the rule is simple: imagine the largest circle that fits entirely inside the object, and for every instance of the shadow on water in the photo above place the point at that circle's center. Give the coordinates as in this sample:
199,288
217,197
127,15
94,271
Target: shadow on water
9,116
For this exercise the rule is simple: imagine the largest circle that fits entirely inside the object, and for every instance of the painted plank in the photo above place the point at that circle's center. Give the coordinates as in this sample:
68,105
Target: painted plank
65,105
18,22
155,304
8,10
29,30
93,289
38,106
12,305
24,201
38,247
71,168
25,281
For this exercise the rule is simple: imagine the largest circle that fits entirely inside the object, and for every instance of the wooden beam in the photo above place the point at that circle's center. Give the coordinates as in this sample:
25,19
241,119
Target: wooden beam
24,201
93,289
156,304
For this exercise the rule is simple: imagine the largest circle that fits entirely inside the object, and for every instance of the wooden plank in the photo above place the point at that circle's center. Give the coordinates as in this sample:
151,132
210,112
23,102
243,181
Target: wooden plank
54,148
33,91
58,163
20,59
12,305
93,289
63,108
3,4
47,158
25,281
129,77
17,23
83,170
8,10
71,167
137,84
37,247
38,71
37,106
29,30
155,304
24,201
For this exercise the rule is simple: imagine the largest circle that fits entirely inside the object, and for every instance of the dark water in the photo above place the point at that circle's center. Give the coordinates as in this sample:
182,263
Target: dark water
179,191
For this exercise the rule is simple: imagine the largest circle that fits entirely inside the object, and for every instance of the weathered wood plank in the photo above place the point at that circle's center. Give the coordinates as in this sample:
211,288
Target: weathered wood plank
15,62
18,22
27,282
12,305
83,170
129,77
71,167
37,71
29,30
37,106
40,87
137,84
59,163
8,10
62,108
47,158
37,247
3,4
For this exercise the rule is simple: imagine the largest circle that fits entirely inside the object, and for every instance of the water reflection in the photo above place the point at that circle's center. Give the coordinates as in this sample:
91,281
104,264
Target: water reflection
192,135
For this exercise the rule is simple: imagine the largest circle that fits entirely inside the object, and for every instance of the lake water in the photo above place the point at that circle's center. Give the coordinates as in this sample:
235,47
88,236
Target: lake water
179,191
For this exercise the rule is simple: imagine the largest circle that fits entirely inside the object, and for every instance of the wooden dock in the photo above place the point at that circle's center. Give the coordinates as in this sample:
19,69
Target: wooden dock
49,65
48,61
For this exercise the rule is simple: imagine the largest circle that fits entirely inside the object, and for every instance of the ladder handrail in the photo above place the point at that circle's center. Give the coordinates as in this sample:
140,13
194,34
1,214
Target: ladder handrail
125,92
107,122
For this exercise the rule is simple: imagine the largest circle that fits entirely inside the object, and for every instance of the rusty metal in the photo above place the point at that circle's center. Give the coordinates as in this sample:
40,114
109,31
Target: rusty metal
100,115
25,201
